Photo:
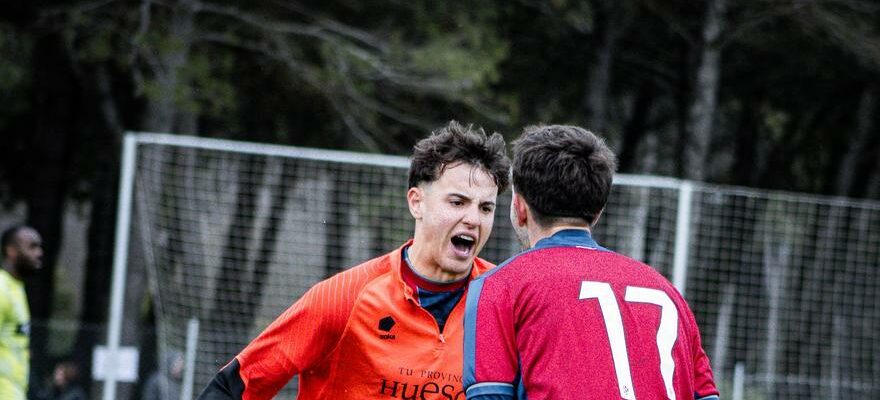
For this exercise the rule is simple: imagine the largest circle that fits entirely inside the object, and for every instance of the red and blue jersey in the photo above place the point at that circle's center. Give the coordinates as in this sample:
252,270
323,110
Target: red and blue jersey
568,319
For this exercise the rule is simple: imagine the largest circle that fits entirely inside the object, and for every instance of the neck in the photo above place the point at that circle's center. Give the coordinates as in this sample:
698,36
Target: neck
10,270
536,233
417,281
427,267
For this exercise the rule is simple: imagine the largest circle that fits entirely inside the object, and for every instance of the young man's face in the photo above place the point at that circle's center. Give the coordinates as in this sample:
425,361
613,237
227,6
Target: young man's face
454,217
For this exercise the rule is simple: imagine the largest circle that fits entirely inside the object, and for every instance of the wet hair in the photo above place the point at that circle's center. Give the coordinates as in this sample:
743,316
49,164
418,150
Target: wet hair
454,144
8,237
562,171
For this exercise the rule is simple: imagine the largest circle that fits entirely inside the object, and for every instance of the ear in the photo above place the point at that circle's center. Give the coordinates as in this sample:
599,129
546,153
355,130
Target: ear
596,219
522,209
414,198
11,251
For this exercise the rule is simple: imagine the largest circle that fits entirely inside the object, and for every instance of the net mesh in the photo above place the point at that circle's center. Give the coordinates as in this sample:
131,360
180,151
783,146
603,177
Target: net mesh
781,284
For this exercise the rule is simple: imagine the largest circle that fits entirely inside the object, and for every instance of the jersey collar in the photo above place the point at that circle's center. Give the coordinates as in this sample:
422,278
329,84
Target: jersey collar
416,280
397,263
570,238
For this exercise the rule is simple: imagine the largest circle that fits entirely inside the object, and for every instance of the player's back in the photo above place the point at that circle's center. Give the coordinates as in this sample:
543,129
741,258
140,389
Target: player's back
586,323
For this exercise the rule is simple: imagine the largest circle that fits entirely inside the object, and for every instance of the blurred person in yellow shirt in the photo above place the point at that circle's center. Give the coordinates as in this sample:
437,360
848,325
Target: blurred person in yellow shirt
22,251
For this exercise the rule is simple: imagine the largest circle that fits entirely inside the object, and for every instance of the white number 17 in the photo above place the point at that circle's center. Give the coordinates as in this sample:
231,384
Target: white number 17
666,333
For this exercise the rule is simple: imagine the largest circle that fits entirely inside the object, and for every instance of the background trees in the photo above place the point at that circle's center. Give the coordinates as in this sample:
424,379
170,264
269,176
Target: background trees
772,94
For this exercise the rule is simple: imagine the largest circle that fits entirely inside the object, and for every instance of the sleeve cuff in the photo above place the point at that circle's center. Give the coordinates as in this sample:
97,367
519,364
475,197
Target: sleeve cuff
490,391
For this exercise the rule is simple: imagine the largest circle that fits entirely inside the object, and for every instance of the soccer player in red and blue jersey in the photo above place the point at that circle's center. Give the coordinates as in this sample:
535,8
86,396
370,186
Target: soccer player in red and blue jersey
567,318
392,326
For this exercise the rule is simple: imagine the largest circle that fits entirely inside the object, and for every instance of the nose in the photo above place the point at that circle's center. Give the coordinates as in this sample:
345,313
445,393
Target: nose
472,216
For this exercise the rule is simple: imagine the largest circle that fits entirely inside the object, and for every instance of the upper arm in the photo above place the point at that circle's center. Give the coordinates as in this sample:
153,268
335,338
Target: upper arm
704,381
490,356
296,341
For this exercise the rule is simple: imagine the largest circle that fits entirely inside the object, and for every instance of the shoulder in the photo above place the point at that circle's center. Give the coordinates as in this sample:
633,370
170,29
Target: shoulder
6,295
340,292
481,266
5,279
530,259
360,275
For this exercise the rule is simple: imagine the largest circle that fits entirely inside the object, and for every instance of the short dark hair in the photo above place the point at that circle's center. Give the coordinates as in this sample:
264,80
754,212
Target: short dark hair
562,171
456,143
8,237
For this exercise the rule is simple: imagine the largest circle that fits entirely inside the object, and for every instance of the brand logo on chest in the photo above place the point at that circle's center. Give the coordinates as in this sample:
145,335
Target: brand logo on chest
385,325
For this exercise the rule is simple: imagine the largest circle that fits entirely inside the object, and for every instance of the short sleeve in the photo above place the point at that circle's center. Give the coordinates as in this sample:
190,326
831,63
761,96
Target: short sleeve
490,360
704,381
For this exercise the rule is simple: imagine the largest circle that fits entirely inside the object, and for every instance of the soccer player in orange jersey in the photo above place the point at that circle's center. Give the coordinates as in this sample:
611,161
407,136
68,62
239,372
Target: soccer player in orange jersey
392,326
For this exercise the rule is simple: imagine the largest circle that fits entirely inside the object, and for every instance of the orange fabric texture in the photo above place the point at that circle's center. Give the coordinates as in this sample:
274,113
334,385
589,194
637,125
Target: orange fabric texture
359,335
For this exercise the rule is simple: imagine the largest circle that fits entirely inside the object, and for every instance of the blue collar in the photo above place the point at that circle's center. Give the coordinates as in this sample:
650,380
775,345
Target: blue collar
569,237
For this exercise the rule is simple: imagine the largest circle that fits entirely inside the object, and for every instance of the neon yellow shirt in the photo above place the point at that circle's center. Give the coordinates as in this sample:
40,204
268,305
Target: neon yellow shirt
14,330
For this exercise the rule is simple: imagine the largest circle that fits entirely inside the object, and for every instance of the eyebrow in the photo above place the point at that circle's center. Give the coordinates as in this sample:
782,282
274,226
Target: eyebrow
464,197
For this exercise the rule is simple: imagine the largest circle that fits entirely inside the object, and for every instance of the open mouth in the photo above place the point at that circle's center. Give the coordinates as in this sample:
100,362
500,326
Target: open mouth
463,244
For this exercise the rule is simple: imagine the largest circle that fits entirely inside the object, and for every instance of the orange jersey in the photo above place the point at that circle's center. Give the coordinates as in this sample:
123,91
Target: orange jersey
359,335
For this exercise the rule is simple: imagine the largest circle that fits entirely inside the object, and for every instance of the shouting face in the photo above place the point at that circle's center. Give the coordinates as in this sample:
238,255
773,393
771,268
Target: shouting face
454,217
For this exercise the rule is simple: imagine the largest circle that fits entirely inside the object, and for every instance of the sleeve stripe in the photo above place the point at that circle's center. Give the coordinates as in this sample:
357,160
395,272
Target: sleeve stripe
490,388
470,337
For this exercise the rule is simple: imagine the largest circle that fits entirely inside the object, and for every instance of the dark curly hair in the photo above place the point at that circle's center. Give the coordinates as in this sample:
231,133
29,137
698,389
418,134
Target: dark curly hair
456,143
562,171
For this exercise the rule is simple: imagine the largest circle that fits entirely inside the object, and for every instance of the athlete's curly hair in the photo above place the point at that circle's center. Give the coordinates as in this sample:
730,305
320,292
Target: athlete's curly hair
456,143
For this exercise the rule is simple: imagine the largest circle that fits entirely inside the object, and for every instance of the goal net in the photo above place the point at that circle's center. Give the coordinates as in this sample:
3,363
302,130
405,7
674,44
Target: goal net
232,233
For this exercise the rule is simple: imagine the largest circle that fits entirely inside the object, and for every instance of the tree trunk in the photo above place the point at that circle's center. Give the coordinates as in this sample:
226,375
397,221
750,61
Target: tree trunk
682,108
846,173
161,115
637,126
818,277
269,239
336,224
161,110
230,298
746,167
54,133
874,182
600,77
99,259
702,112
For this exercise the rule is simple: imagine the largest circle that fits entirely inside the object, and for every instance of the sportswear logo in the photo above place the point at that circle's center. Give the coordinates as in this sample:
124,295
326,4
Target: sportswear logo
385,324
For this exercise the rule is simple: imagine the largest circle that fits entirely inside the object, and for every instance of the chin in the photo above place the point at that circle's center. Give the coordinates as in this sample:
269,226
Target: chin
458,267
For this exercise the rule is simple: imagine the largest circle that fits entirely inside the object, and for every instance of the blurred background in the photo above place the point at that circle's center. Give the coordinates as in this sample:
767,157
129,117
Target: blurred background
767,94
